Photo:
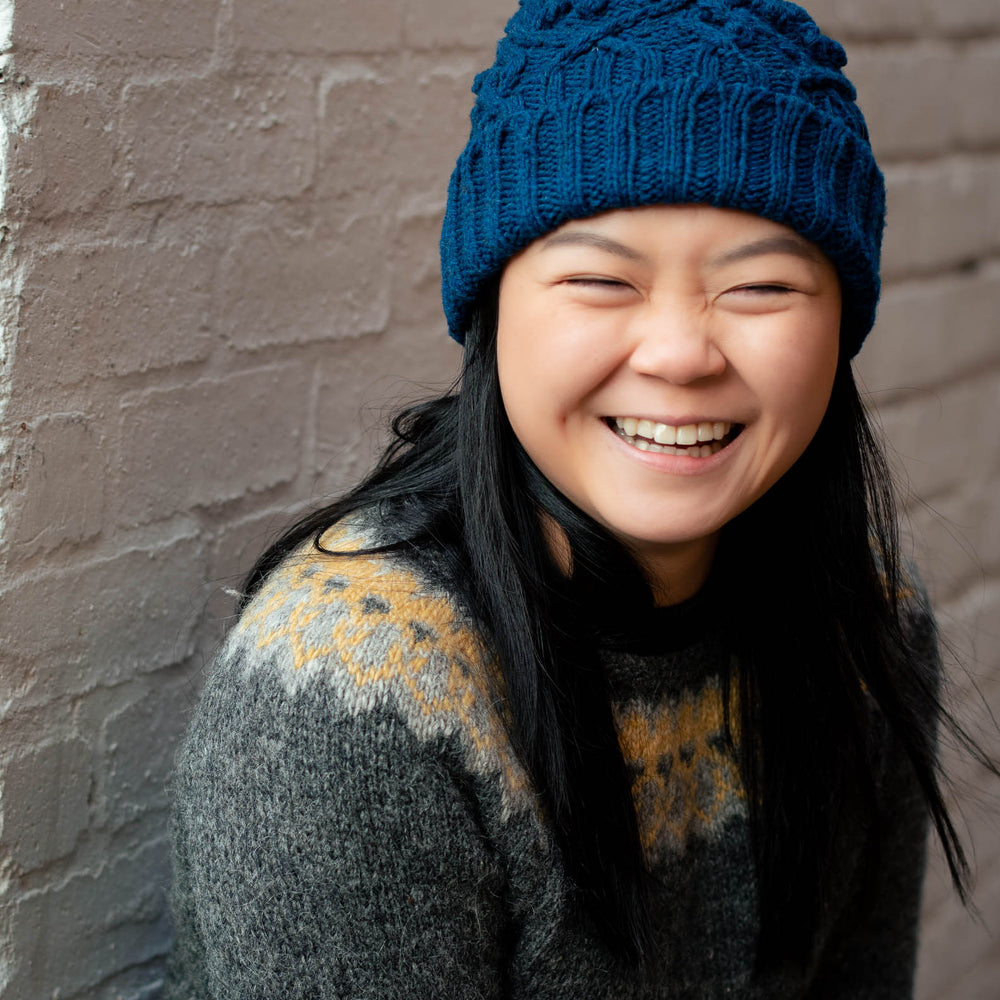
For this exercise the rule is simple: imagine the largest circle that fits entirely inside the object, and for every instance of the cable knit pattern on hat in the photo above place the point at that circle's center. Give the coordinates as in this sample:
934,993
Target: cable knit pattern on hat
601,104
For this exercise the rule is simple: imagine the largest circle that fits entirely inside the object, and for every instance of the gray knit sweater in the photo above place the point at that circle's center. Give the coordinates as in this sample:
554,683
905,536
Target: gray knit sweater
351,821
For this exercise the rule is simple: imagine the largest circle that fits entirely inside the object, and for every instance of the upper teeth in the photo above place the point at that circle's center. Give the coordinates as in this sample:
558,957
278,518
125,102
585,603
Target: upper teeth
685,434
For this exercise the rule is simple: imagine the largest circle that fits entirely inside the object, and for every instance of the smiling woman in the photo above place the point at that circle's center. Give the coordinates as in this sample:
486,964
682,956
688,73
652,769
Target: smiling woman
607,682
663,367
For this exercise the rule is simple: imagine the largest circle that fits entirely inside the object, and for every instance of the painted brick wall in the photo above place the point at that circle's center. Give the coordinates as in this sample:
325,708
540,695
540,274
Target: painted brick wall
218,267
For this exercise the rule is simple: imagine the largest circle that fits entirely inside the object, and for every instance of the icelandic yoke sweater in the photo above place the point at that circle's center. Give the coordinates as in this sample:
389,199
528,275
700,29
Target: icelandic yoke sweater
351,821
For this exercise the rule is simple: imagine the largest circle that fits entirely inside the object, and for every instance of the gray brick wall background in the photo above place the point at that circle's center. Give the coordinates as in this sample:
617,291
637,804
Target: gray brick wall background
218,267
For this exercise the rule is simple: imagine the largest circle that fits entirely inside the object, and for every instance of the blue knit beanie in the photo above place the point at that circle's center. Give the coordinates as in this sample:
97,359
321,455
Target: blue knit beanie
600,104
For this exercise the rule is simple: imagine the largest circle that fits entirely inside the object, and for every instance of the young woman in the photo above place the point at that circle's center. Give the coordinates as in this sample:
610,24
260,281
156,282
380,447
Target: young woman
607,681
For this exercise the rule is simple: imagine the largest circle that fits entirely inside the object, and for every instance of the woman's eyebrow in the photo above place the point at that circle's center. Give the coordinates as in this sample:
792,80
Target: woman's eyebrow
584,237
769,244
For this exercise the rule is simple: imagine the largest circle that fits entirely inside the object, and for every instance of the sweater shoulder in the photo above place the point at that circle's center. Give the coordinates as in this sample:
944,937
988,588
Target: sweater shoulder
371,633
335,607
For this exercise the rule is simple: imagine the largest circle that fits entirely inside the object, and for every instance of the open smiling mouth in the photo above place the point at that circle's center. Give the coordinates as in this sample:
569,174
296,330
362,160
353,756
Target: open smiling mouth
693,440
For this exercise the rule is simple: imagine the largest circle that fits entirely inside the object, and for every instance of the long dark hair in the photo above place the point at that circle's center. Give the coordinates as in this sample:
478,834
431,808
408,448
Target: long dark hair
809,580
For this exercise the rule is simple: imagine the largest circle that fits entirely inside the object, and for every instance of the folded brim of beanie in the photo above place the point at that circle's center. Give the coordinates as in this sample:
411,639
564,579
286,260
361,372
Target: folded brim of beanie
525,172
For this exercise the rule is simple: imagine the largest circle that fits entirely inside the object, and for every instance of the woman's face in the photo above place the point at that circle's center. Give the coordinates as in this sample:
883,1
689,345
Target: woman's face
664,366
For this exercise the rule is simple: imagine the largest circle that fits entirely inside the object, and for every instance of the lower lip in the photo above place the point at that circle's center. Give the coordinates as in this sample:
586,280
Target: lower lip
678,465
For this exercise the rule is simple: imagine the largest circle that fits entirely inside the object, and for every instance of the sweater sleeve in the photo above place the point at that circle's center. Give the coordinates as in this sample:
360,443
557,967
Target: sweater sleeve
872,951
326,854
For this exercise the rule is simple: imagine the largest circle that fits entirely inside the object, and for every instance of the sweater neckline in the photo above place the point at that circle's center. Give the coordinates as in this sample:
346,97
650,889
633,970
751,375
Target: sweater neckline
649,629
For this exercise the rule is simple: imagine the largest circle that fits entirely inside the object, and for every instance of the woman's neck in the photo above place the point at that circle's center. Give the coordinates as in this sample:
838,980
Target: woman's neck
675,572
680,570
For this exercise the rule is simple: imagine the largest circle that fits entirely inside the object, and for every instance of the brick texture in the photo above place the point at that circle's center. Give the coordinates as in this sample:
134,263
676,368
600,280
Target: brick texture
206,141
306,27
960,18
871,19
105,620
216,433
906,94
942,214
218,273
103,299
64,165
76,30
35,832
977,74
337,281
58,459
908,351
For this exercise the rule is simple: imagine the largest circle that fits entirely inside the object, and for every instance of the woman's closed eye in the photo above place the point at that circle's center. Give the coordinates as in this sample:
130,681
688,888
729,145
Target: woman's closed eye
596,281
763,288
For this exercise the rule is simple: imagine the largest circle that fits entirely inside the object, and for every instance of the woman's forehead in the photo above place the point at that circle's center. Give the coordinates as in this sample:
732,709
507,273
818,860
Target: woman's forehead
725,235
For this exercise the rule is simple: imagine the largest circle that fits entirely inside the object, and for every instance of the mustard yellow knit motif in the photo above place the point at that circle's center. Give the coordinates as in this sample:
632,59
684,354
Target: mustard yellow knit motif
685,780
381,634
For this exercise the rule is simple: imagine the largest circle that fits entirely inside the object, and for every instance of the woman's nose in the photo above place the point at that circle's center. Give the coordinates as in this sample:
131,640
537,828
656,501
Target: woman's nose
676,345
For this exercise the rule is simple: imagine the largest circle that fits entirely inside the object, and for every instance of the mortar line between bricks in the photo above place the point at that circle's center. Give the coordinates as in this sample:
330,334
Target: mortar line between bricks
954,587
287,504
223,54
985,266
61,880
83,238
910,503
973,596
165,386
929,43
103,547
102,865
950,590
852,40
97,72
478,53
85,388
209,73
957,153
448,51
983,370
968,268
148,991
130,388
